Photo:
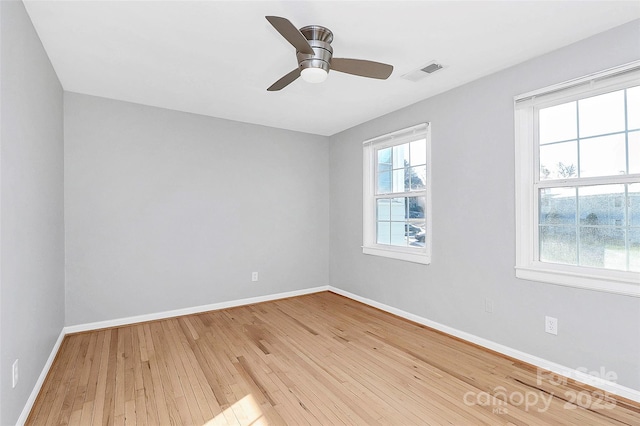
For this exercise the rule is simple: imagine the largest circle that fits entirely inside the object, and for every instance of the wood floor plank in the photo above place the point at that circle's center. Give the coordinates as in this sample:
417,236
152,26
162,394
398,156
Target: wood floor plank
120,384
66,384
136,411
317,359
86,415
83,380
150,399
166,387
108,410
73,390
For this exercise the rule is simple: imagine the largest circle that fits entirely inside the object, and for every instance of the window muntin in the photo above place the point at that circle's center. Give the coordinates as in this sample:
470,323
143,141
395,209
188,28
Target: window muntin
577,180
396,201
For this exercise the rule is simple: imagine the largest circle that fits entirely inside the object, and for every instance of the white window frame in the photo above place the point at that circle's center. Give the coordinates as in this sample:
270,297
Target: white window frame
369,245
528,182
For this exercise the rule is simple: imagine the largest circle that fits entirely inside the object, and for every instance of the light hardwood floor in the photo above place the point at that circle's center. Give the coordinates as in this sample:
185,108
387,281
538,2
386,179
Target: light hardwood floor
315,359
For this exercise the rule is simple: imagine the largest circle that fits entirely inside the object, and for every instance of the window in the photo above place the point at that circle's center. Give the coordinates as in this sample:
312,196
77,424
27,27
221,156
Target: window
578,182
397,207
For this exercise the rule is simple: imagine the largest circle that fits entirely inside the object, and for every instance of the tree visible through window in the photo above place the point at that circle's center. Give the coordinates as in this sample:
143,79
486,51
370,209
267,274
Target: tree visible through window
401,170
396,195
578,182
591,222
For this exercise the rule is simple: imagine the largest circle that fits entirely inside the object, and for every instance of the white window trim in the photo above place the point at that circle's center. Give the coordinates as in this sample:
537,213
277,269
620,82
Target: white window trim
527,267
369,245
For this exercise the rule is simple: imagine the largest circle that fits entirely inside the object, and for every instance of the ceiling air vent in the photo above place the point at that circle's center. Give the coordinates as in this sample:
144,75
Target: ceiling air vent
423,72
431,68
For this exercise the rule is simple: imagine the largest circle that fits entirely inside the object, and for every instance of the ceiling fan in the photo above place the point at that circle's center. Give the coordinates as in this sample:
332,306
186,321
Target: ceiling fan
315,56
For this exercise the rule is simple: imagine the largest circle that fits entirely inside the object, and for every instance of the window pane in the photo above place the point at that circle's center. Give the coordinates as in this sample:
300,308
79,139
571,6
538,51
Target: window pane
559,161
397,234
416,207
634,152
418,240
383,233
384,183
383,209
415,233
602,205
602,247
400,180
412,228
558,123
602,114
400,156
634,204
398,209
418,152
604,156
634,250
558,244
418,176
384,160
558,206
633,108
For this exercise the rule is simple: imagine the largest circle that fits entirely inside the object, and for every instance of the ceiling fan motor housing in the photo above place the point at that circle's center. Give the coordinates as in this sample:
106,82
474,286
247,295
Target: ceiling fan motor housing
320,39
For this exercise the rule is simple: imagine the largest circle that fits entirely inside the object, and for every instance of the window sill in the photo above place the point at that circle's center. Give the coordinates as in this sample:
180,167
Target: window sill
624,283
399,254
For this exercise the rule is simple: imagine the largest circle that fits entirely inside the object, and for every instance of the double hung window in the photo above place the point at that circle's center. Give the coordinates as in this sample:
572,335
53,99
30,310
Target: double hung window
396,206
578,182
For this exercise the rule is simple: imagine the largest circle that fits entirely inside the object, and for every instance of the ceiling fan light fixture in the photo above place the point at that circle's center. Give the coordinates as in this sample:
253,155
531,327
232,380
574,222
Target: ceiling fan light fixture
315,56
314,75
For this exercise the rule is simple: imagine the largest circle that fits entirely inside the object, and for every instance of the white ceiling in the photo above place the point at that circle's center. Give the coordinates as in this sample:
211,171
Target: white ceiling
218,57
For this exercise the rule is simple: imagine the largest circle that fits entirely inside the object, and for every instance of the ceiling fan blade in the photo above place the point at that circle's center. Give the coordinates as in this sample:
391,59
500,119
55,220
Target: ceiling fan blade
362,68
285,81
291,34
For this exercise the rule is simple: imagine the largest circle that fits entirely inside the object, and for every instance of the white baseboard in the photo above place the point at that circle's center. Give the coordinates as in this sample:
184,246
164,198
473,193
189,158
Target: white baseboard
43,375
572,373
188,311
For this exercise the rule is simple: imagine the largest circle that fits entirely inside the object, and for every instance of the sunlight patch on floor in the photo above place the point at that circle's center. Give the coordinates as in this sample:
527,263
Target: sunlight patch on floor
244,412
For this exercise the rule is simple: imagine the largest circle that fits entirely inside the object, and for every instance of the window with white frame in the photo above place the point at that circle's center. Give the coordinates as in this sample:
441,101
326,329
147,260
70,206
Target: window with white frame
578,182
397,206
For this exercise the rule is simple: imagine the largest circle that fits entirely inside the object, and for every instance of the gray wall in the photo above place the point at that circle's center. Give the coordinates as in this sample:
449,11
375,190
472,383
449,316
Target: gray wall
474,223
31,209
167,210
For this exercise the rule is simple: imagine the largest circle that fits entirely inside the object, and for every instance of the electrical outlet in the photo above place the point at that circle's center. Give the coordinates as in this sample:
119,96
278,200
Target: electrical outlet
551,325
488,306
14,374
254,276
